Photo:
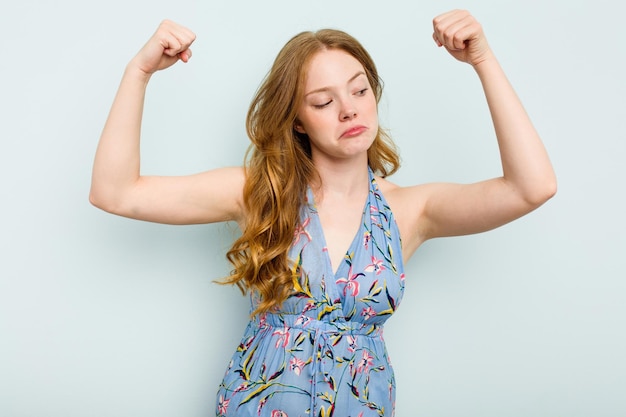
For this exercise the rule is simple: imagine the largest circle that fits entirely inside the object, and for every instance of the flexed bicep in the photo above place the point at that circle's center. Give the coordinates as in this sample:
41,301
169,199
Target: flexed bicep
207,197
117,185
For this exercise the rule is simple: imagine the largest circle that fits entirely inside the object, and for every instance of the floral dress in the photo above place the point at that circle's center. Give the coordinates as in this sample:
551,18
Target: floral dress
322,353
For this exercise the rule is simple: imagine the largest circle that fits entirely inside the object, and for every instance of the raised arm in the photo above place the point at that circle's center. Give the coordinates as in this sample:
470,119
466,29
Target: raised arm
117,185
527,180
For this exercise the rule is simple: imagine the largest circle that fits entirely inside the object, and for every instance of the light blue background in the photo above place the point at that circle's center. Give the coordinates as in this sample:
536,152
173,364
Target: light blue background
107,317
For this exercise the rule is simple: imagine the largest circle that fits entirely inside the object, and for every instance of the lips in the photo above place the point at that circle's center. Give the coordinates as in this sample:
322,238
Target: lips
353,131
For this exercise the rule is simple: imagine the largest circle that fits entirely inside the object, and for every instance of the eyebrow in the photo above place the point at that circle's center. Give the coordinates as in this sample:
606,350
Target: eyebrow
323,89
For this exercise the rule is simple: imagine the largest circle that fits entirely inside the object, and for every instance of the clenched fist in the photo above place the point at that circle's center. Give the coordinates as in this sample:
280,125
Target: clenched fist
462,36
169,44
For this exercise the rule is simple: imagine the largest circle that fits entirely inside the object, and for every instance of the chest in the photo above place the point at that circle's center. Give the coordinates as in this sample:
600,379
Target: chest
340,224
367,284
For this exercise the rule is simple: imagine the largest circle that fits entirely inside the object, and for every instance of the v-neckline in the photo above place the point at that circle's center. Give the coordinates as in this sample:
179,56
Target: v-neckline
315,213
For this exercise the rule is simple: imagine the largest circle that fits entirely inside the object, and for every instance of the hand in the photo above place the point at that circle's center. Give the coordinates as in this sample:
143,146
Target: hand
462,36
169,43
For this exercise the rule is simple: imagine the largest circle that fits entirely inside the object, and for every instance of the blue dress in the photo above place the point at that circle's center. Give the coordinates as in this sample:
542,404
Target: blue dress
322,353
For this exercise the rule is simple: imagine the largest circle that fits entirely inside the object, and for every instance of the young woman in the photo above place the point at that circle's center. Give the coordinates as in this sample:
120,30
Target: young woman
320,252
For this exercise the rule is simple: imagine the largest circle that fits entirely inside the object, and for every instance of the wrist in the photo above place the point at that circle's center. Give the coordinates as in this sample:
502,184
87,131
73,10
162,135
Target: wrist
487,60
135,73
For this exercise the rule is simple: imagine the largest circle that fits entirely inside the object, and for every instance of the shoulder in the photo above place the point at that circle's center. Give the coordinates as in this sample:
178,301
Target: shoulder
384,184
397,195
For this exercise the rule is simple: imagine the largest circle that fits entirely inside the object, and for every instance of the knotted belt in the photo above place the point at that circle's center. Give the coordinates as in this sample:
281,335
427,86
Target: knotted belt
324,334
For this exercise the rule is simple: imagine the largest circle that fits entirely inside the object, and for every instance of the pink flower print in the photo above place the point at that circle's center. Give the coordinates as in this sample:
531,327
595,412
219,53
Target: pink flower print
241,387
376,266
352,343
301,231
374,214
283,340
296,365
303,321
222,406
310,305
352,285
368,313
365,363
279,413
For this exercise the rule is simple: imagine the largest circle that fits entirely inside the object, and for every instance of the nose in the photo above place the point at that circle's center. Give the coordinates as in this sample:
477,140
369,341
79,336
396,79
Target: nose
348,110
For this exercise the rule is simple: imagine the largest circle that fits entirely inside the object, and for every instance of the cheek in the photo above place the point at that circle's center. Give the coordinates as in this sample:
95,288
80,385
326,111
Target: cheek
373,106
315,123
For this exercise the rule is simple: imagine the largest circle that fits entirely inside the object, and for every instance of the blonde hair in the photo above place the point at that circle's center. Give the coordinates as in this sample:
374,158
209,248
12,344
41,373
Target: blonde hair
279,167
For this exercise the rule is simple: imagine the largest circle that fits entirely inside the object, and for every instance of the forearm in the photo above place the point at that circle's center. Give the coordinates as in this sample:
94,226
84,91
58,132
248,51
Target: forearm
525,162
117,161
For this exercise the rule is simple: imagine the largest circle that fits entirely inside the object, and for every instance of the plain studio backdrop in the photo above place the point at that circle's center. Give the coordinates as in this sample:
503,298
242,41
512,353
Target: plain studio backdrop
108,317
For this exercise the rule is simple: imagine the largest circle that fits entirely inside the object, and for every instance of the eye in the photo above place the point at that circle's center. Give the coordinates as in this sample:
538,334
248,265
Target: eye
321,106
362,92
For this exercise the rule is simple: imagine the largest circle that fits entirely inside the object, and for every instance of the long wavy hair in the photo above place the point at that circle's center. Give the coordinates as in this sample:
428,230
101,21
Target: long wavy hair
279,167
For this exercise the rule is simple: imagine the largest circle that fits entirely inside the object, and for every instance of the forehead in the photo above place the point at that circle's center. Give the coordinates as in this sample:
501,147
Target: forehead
329,68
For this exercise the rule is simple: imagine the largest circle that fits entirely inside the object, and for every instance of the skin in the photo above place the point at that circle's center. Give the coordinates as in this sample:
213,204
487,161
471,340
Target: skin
336,99
339,114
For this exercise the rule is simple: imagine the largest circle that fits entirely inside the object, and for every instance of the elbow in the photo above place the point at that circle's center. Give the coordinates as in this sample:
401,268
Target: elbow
112,197
551,189
541,192
103,201
96,200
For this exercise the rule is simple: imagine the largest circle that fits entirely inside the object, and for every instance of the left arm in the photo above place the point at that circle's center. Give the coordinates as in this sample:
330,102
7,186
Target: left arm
527,180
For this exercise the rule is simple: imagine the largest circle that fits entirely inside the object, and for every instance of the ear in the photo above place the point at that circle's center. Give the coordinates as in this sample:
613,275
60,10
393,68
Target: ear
297,126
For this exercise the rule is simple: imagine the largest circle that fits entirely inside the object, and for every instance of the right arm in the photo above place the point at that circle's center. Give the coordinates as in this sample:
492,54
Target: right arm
118,187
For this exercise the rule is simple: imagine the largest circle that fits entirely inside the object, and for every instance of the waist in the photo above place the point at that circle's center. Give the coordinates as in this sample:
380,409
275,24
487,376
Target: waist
313,325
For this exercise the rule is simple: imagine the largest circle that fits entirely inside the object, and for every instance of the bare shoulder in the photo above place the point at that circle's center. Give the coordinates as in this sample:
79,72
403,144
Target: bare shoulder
399,196
385,185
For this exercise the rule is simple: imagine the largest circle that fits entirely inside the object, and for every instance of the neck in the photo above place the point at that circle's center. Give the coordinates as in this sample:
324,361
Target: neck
342,180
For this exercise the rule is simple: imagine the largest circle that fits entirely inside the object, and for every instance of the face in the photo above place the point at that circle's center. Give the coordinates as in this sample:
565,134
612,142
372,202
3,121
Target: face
339,109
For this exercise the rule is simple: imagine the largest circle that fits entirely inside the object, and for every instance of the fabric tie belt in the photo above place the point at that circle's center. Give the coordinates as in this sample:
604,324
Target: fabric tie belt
324,334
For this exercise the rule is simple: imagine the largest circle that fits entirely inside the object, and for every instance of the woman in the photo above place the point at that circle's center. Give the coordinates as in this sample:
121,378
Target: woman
320,251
